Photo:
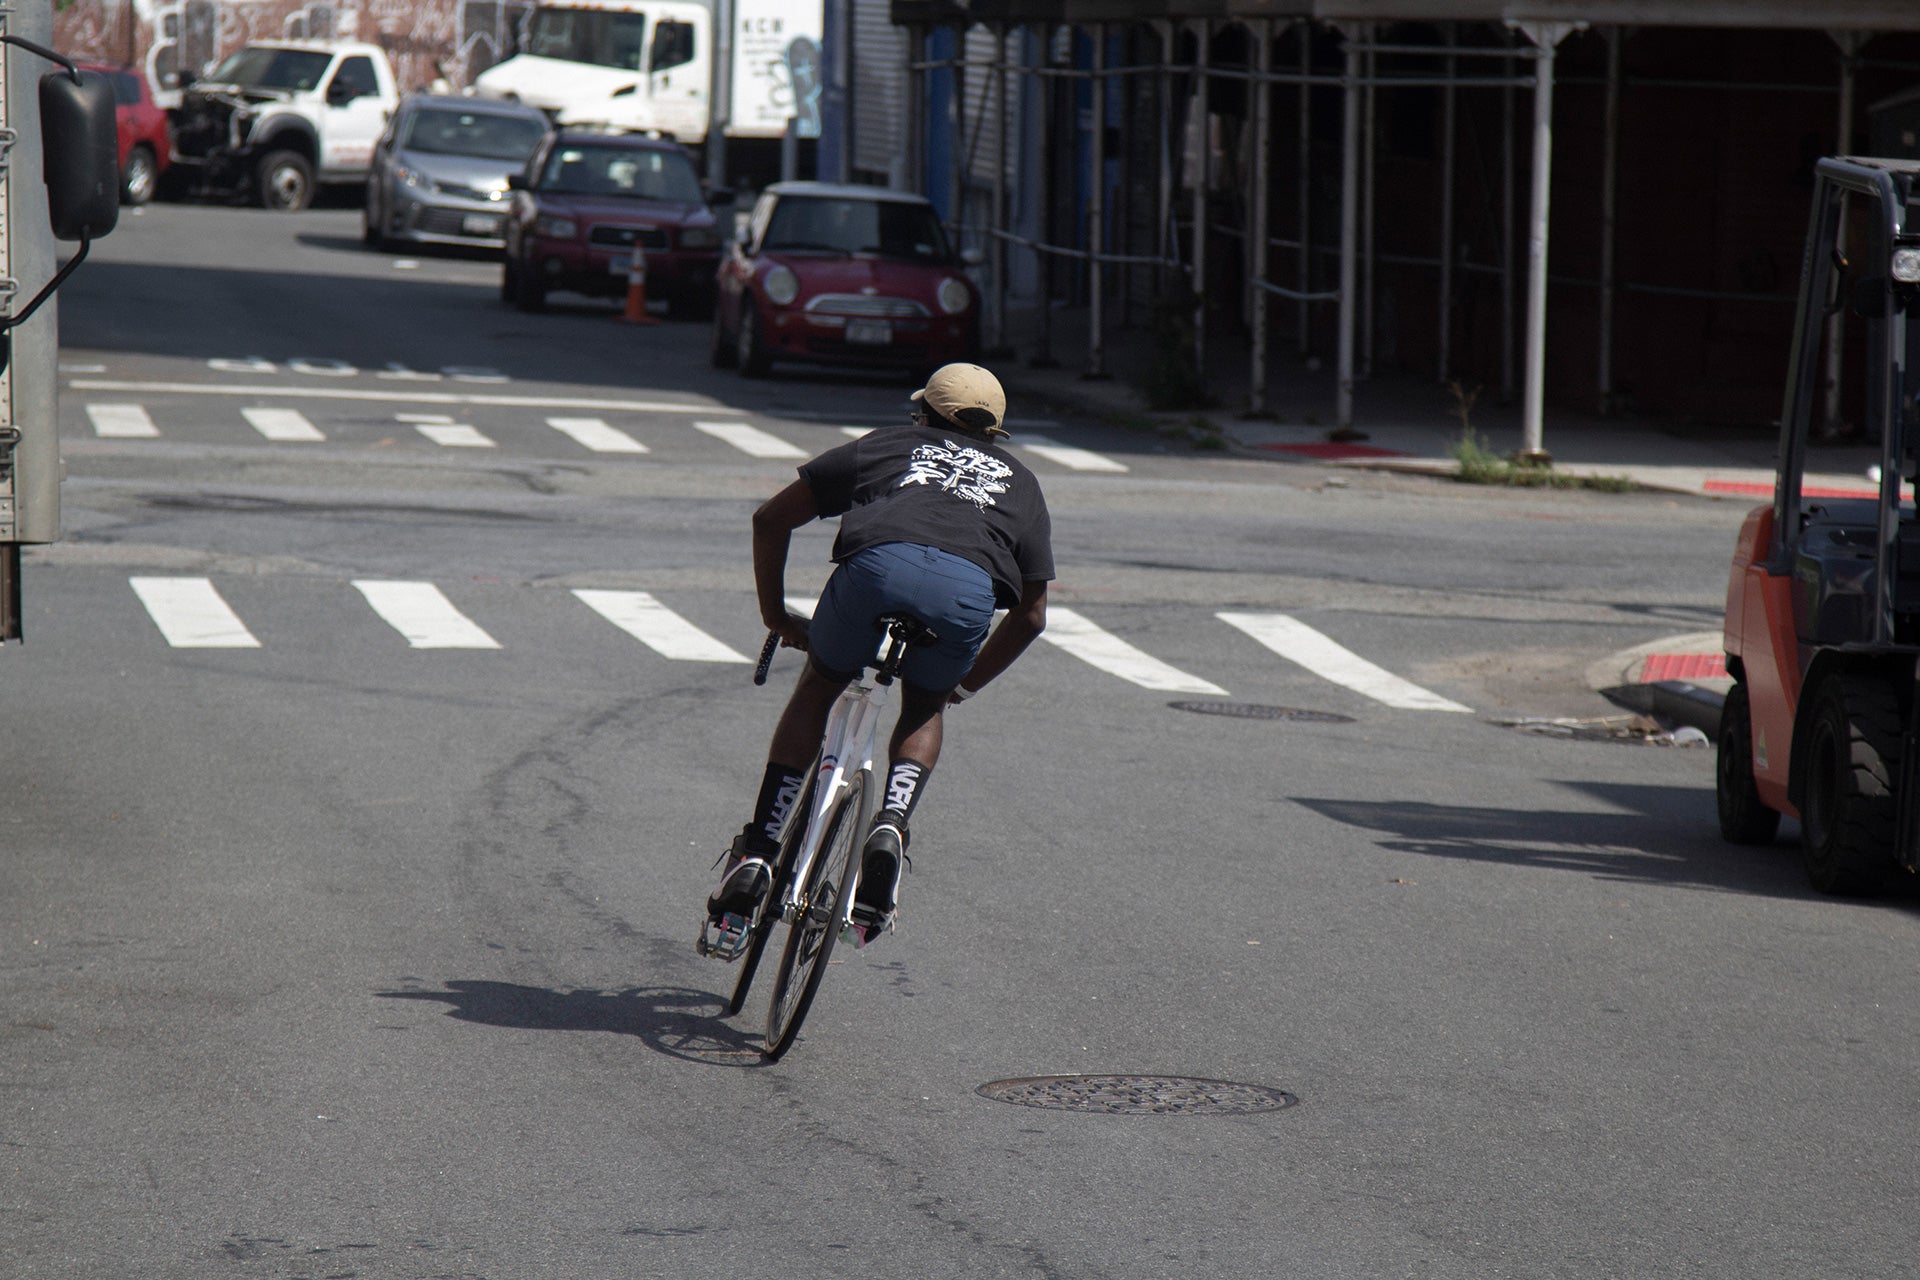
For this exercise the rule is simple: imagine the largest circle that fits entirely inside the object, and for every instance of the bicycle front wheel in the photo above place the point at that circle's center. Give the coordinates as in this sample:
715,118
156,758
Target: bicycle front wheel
810,936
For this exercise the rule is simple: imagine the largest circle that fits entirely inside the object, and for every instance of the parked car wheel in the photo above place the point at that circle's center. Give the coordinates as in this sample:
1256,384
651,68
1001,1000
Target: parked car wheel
285,181
749,349
372,223
139,178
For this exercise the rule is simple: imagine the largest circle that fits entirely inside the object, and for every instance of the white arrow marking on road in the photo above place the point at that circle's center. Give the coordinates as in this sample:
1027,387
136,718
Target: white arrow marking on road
1069,456
596,435
750,440
1099,648
121,421
454,435
418,611
282,424
1297,642
191,614
659,628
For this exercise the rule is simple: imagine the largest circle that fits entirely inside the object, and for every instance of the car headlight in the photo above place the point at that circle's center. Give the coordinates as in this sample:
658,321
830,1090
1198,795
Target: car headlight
954,295
699,238
782,285
556,228
409,177
1906,266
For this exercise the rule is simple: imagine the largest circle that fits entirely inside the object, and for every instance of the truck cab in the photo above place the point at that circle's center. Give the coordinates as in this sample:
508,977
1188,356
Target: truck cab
630,64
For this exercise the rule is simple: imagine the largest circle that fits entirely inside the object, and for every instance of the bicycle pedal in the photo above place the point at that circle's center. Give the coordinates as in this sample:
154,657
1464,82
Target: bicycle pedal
724,939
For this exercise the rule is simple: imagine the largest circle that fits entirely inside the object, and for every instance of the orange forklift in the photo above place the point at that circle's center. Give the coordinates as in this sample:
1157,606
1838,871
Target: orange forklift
1823,603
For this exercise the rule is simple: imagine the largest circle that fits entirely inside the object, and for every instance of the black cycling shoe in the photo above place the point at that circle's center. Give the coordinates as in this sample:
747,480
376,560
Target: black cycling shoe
874,911
748,876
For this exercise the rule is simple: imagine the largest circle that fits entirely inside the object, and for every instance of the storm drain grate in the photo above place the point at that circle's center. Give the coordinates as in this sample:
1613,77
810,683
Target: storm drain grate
1138,1095
1255,711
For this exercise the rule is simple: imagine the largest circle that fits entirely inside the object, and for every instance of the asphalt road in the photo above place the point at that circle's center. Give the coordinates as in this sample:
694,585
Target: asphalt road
334,956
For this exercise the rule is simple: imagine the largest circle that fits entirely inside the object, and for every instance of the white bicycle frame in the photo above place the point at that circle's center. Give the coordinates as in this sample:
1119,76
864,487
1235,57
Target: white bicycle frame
846,751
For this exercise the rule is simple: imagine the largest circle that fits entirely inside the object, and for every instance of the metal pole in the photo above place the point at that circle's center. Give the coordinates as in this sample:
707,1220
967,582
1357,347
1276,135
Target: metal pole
1043,358
1547,36
1303,210
1448,104
1000,211
956,130
1349,231
1609,217
719,93
1097,209
1257,233
1849,42
1508,206
1202,131
1164,239
1366,213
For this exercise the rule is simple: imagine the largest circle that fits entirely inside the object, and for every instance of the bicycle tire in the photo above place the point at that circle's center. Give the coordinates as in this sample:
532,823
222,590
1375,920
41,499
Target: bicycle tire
762,928
810,938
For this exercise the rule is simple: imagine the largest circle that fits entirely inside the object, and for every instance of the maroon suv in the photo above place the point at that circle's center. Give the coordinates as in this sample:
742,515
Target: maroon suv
587,197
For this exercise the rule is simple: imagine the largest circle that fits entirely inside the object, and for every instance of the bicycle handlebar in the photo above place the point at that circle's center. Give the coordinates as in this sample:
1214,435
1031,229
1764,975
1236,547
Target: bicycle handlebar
766,657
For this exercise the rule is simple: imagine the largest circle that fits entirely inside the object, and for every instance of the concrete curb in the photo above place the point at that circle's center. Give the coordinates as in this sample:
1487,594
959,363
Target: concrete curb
1680,702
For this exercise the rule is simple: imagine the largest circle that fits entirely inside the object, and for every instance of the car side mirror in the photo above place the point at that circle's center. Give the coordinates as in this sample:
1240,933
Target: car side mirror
339,95
516,182
82,154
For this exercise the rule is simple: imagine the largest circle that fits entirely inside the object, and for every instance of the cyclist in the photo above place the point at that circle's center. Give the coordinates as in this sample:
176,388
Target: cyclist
938,521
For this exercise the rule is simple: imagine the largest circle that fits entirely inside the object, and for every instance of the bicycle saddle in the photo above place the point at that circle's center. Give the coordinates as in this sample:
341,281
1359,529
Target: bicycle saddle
908,629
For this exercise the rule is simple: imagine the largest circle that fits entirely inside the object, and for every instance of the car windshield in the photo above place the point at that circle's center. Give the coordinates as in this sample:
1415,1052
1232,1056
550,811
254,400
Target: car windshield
597,36
257,68
621,171
845,224
484,135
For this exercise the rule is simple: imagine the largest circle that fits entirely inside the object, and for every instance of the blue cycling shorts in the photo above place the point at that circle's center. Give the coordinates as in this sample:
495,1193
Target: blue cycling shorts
952,595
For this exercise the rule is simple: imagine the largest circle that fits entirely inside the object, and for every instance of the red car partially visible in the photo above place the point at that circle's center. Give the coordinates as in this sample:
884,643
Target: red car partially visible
844,275
146,135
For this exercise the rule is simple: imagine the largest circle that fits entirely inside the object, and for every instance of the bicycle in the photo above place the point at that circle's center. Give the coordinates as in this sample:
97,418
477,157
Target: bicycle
825,831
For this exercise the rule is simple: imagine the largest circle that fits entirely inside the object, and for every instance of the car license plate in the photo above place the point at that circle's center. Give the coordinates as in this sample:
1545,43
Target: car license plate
869,332
621,266
480,224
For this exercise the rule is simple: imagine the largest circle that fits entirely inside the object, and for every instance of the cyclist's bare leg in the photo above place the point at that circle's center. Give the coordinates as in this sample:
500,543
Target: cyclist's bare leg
796,738
917,735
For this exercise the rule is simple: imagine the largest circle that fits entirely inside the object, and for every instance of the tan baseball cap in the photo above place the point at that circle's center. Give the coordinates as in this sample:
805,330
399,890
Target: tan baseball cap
968,395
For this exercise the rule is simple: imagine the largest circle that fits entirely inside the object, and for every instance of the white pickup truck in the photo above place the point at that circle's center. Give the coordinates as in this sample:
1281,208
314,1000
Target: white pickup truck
278,117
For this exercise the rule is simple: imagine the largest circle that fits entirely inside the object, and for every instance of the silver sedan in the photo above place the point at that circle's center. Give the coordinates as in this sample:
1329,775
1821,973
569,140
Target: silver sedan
440,170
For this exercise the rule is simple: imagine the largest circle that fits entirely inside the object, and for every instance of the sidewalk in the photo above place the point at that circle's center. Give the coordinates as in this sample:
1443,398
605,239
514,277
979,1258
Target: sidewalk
1411,424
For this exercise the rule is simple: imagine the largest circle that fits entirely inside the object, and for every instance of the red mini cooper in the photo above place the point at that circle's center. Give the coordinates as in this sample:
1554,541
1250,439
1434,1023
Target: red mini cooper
850,275
587,197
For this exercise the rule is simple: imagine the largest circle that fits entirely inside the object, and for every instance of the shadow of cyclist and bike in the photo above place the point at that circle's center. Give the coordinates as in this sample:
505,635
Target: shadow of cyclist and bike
677,1021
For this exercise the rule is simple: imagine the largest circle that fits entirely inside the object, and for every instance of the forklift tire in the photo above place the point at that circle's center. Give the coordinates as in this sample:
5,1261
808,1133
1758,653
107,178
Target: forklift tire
1744,817
1848,815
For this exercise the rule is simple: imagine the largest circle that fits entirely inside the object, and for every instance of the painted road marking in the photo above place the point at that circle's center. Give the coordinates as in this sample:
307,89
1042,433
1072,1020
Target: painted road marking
659,628
1099,648
1068,456
454,435
1297,642
596,435
282,424
191,614
750,440
418,611
121,421
396,396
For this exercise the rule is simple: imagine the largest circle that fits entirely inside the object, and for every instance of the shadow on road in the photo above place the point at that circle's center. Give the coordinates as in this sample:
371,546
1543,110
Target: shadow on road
675,1021
1666,836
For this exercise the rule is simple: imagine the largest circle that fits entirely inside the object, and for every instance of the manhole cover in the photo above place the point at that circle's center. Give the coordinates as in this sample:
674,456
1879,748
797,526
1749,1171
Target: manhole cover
1138,1095
1254,711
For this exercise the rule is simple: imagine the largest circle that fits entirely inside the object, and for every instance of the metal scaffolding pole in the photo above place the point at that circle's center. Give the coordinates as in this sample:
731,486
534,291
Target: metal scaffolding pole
1447,129
1507,206
1262,142
1349,228
1043,358
1204,175
1001,214
1303,251
1097,211
1547,36
1609,217
1368,241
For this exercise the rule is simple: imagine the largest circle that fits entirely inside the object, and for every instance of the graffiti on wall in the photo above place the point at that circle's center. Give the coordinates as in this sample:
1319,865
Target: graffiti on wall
427,40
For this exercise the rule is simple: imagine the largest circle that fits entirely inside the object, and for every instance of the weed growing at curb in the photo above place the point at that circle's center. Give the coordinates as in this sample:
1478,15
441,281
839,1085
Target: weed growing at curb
1480,465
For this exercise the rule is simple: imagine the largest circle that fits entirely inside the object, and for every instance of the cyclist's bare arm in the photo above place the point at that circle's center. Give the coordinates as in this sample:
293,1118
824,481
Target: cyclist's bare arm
1019,628
773,525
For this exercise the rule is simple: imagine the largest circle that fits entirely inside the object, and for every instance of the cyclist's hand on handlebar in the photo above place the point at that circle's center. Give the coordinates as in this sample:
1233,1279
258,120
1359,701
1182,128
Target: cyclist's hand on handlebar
792,630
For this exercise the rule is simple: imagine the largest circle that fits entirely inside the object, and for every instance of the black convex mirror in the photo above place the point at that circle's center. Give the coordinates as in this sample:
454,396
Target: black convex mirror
82,154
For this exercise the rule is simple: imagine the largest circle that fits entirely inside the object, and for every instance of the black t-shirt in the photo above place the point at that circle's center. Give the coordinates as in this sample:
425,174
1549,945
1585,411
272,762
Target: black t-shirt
941,489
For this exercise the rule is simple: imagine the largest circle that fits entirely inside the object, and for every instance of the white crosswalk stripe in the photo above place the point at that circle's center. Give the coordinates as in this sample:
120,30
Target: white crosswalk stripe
1298,642
658,627
421,613
454,435
121,421
750,440
191,614
1069,456
282,424
1102,649
597,435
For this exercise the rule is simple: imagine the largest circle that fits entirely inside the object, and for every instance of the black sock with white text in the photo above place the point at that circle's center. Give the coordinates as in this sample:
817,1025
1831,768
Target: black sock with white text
778,791
905,778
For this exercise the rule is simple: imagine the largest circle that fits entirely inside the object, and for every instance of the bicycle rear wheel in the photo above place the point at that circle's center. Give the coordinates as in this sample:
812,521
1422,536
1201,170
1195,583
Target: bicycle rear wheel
769,911
803,961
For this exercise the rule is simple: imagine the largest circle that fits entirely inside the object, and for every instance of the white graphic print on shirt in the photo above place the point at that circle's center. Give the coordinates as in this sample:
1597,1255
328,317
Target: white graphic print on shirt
960,470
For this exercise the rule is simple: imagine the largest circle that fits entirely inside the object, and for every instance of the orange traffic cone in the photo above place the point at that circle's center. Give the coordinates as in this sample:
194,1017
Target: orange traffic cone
636,312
